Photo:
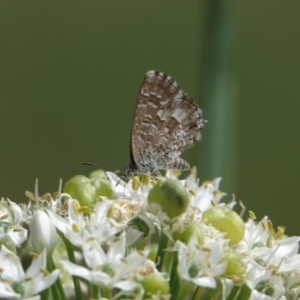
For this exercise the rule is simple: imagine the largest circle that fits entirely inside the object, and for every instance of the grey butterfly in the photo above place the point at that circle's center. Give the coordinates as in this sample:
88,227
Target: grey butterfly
166,122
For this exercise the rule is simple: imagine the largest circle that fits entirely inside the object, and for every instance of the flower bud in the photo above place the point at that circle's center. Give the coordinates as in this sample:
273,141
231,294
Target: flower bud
72,185
140,225
171,196
42,232
99,174
86,190
154,284
226,220
236,267
188,229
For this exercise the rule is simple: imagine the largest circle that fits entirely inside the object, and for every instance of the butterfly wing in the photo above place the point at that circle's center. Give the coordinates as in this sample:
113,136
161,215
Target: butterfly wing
166,121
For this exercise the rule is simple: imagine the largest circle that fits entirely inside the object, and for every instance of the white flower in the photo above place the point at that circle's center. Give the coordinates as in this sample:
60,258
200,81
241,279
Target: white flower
11,232
42,232
292,284
124,189
200,265
77,227
7,292
263,284
31,282
206,194
256,233
106,269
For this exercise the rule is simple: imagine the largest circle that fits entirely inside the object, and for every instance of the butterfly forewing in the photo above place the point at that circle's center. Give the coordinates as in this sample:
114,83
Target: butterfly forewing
166,121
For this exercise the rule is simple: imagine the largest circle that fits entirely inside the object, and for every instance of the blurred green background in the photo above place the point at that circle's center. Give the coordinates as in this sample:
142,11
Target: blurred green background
70,73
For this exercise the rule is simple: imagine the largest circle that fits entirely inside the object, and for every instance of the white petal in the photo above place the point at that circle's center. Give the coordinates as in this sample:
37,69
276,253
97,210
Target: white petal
219,269
60,223
117,248
17,212
127,285
130,263
45,282
42,232
132,235
11,265
93,253
6,292
209,282
18,234
287,247
36,265
119,187
291,264
76,270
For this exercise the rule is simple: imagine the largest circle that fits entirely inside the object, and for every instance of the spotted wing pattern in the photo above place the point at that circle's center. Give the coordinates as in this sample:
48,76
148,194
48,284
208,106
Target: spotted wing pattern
166,121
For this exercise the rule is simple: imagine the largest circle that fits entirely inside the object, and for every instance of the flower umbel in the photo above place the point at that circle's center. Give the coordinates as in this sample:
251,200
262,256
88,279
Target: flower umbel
145,239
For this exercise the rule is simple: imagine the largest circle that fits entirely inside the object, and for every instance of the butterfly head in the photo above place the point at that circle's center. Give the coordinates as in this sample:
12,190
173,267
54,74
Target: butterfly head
128,172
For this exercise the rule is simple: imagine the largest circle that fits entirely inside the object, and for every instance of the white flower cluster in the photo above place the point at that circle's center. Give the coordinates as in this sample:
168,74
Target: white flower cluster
138,245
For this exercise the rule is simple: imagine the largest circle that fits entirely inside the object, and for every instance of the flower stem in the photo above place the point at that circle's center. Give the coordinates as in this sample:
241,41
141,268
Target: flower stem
174,283
163,242
173,270
182,290
58,281
198,293
54,289
71,256
238,292
107,293
94,291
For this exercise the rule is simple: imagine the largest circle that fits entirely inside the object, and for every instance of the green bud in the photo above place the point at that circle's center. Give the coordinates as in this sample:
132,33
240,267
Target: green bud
154,285
86,190
235,265
72,185
101,183
99,174
184,234
171,196
86,194
103,187
226,220
140,225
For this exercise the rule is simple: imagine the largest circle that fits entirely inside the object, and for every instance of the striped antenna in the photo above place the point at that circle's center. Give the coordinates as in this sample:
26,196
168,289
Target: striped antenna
85,163
88,163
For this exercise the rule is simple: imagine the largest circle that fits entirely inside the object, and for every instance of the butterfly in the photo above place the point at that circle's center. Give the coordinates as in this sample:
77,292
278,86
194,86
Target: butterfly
166,122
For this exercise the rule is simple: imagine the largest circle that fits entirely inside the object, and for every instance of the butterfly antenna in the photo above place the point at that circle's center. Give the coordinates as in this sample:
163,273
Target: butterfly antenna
85,163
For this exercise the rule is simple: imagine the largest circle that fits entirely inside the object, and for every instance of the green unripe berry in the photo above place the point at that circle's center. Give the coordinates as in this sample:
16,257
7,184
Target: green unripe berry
226,220
235,265
86,190
99,174
140,225
103,187
171,196
72,185
86,194
154,284
184,234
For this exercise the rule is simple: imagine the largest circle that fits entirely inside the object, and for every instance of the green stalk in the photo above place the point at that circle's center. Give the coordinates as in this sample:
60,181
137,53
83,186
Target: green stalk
71,256
219,89
54,290
58,281
94,291
163,242
181,290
